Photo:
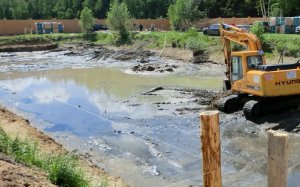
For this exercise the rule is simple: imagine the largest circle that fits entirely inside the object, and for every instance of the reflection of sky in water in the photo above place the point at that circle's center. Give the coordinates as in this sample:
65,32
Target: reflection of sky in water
58,104
65,106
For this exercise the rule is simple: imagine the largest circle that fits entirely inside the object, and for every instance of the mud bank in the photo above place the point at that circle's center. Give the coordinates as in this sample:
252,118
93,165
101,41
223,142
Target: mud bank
28,47
15,174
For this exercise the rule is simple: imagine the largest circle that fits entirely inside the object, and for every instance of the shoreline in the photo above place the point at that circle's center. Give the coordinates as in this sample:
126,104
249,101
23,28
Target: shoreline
17,126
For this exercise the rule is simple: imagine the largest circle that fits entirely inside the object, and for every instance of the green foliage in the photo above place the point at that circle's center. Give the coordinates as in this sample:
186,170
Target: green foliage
141,9
237,47
195,41
104,38
94,5
288,44
183,13
258,30
192,32
119,20
197,45
62,169
148,9
87,21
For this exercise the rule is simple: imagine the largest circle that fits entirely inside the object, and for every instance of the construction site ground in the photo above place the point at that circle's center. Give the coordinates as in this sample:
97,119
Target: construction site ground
134,113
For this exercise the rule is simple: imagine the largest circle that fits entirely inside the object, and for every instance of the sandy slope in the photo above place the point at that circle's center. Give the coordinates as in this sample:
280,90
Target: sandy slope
14,174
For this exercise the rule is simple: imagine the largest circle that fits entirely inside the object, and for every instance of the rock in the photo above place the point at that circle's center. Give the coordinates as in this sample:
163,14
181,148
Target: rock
169,70
136,68
150,68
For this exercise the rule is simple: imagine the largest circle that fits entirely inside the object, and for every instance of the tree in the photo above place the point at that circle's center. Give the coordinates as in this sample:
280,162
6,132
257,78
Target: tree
87,21
94,5
21,9
183,13
119,19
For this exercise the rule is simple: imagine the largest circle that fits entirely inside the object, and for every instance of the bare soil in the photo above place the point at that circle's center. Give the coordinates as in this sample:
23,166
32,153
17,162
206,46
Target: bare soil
14,174
28,47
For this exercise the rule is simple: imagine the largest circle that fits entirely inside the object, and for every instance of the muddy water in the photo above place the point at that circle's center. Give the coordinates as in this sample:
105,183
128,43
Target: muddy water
105,113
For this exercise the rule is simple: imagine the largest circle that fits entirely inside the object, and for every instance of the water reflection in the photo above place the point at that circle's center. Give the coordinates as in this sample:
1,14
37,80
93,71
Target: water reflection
107,104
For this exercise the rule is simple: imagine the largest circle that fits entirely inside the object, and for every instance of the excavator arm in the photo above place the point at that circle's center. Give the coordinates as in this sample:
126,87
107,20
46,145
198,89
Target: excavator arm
234,34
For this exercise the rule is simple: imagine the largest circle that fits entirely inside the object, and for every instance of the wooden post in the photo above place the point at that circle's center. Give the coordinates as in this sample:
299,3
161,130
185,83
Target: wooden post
211,149
277,159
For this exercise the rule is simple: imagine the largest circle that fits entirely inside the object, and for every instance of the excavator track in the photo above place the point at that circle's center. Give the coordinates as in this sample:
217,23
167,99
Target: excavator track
231,103
254,109
228,104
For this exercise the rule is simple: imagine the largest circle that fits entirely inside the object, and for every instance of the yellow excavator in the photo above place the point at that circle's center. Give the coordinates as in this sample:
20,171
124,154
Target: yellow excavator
258,88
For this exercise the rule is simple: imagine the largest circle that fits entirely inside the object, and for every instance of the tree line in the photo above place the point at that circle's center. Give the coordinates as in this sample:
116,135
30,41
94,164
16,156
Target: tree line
143,9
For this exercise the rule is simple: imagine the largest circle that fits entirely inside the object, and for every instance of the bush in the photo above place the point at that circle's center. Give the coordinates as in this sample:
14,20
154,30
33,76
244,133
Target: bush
196,45
192,32
258,30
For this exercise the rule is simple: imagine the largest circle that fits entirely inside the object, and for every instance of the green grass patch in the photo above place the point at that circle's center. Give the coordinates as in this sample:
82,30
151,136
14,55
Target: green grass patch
187,40
37,38
62,169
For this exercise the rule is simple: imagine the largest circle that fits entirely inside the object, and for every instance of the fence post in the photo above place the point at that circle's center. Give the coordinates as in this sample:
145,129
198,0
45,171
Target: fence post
211,149
277,159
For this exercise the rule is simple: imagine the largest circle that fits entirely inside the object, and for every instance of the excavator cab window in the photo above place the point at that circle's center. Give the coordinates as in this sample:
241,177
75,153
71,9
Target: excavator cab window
237,68
254,61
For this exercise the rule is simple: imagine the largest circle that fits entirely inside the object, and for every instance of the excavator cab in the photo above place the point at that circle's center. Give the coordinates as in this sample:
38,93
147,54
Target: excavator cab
241,63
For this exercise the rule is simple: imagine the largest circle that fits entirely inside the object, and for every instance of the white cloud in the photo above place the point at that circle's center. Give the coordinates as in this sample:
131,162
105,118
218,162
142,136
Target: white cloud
48,96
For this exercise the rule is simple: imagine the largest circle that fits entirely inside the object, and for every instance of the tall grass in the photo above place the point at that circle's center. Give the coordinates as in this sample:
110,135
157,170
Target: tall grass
62,169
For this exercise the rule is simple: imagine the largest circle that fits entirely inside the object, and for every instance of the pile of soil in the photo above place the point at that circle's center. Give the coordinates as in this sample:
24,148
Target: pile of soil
154,68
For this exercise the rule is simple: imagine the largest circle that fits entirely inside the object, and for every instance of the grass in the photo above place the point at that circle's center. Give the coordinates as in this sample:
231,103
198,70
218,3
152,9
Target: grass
36,38
288,44
62,169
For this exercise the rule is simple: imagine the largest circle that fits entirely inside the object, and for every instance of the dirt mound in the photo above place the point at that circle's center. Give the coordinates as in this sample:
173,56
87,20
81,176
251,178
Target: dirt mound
200,57
154,68
14,174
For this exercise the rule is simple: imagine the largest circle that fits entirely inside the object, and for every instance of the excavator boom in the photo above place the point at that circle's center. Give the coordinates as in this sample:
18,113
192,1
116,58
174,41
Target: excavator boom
230,33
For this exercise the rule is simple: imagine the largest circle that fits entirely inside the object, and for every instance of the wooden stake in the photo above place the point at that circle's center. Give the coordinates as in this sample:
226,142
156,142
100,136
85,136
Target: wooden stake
211,149
277,159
